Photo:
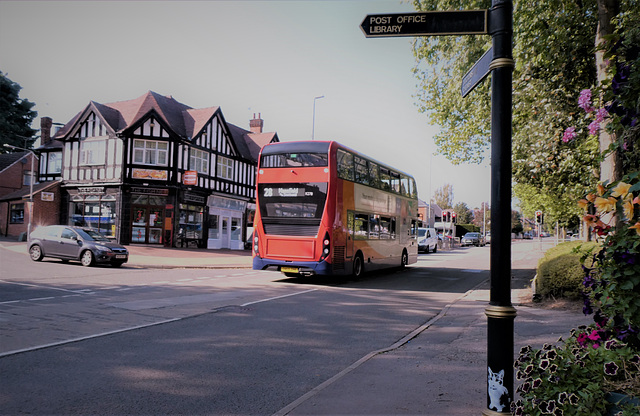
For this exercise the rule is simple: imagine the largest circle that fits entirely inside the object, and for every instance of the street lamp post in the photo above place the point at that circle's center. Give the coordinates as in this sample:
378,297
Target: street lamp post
313,126
33,156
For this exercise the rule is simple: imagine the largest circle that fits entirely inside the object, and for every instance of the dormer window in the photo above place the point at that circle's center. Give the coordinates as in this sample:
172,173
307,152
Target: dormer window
92,152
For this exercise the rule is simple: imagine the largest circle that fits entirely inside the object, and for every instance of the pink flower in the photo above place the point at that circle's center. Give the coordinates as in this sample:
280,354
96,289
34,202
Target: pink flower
594,127
601,114
569,134
584,101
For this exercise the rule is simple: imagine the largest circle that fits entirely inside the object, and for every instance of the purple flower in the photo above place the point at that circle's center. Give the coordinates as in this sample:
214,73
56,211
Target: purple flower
562,397
569,134
544,364
537,383
611,368
594,127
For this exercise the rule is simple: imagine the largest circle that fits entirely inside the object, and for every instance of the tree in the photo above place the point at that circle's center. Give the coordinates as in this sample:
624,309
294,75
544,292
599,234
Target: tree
16,116
555,59
443,196
463,213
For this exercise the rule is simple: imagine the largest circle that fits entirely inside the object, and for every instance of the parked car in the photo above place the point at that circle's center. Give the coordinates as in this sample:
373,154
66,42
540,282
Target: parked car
472,239
76,243
427,240
487,238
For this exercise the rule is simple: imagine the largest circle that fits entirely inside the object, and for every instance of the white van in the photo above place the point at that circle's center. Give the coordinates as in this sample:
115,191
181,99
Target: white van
427,240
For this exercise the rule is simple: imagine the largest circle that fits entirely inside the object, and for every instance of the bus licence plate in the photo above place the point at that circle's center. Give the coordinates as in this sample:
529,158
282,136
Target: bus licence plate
289,269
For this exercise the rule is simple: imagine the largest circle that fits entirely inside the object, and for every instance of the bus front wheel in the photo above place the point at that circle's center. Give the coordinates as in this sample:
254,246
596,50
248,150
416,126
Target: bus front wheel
405,259
358,265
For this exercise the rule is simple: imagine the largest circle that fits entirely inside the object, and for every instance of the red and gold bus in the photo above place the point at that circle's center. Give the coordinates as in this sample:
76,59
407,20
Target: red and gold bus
324,209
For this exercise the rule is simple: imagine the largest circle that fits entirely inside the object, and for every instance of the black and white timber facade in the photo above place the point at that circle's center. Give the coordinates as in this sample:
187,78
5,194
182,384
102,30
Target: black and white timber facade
155,171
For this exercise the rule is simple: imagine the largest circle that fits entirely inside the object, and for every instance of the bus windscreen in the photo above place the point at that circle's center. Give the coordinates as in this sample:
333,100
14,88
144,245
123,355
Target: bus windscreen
295,200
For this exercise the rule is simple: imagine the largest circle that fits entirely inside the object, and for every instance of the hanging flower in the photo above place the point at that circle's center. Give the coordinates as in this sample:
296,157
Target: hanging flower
621,190
636,227
627,207
605,204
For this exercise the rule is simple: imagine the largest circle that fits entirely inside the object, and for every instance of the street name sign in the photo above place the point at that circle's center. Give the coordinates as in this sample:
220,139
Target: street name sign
454,22
477,73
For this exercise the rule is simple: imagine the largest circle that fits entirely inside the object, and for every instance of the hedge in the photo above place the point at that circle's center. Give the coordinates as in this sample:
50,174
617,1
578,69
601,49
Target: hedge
560,272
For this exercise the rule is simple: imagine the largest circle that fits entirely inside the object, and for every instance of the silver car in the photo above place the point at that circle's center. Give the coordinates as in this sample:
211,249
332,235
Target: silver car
76,243
472,239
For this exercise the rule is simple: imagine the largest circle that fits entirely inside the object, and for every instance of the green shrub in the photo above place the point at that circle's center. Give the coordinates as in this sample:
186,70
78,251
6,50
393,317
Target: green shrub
560,272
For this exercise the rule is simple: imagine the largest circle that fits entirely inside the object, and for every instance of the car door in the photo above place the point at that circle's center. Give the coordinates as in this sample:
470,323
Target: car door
50,241
69,246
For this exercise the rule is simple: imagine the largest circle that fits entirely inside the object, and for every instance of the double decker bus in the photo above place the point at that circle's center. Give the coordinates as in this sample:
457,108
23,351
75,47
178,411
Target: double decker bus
324,209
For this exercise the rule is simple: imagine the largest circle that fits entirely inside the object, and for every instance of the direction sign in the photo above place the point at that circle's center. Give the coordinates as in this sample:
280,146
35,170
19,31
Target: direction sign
477,73
454,22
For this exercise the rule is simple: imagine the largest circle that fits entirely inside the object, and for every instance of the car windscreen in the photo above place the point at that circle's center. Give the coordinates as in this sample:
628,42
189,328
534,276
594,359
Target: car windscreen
92,235
422,232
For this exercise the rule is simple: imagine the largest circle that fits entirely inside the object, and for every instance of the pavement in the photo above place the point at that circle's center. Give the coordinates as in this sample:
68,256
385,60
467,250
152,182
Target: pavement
438,369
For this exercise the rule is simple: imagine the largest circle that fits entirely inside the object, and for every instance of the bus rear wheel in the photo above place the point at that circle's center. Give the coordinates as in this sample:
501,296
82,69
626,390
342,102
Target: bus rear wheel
358,265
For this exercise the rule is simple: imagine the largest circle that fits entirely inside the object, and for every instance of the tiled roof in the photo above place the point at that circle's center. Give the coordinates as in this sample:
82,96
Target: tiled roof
8,159
24,192
185,121
249,144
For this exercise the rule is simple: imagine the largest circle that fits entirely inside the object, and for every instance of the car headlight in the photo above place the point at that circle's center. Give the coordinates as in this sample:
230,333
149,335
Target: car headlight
103,248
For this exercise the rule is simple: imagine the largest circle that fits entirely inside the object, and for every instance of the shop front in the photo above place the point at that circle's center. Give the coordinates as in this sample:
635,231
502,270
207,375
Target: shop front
95,207
191,220
148,214
225,222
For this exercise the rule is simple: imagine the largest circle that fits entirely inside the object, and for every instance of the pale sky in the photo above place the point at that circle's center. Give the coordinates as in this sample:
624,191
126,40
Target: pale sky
267,57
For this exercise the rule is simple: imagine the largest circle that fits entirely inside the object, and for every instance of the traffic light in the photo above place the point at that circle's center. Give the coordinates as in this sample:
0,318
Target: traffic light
453,217
538,217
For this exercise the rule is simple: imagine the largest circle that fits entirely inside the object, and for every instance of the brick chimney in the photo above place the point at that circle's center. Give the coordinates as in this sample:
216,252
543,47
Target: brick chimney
256,124
45,130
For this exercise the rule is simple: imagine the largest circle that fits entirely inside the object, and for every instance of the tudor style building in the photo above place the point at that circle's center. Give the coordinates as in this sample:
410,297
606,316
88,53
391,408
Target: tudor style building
155,171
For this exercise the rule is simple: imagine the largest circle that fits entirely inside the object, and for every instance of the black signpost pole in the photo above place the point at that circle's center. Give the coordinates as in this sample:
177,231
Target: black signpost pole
500,313
499,62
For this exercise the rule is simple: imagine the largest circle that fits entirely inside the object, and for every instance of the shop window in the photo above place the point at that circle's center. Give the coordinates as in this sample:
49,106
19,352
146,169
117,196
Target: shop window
190,221
16,214
214,232
94,211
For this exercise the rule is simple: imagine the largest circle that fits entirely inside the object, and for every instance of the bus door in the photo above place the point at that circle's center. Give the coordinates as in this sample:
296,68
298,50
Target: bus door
350,234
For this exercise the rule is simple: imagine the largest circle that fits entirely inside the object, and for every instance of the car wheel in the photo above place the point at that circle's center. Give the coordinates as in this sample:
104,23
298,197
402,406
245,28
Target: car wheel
358,266
35,252
87,258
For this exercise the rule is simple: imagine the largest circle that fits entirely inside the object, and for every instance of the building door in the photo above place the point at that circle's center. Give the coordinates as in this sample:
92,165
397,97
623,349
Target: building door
226,232
146,224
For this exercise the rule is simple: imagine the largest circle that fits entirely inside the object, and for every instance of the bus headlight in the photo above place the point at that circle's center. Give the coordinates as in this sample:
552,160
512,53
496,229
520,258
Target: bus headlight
256,251
326,247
